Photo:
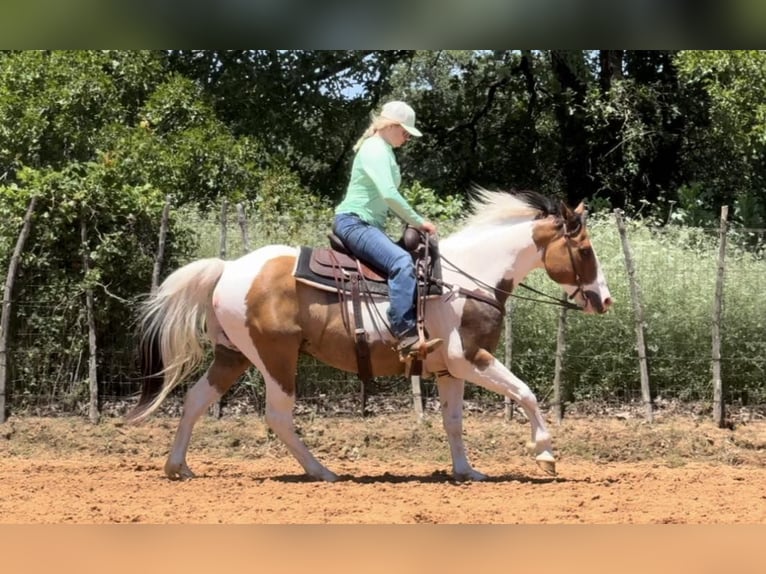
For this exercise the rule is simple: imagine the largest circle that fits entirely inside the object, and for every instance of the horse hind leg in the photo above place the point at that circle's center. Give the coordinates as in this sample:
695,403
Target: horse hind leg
279,416
228,364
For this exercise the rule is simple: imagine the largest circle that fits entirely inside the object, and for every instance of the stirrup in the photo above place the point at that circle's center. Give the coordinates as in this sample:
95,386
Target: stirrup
420,347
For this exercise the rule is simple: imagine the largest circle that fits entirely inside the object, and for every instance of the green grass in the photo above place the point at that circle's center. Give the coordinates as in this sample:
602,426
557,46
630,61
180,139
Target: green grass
676,274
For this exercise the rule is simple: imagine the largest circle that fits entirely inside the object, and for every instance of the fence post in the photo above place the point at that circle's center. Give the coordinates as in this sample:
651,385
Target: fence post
216,408
416,370
508,404
5,316
638,311
161,245
558,403
93,410
242,220
719,406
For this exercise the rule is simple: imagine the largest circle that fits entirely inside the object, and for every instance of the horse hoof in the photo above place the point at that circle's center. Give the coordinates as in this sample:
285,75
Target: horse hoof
178,472
472,476
325,476
548,466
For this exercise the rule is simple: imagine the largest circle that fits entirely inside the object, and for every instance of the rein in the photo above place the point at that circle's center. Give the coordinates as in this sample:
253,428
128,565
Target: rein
549,299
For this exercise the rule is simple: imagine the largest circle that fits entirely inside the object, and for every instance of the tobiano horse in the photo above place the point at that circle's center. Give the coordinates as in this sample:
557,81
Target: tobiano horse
254,312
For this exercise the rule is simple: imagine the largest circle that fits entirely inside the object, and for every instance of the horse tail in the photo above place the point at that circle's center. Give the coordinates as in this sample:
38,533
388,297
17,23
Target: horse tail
172,325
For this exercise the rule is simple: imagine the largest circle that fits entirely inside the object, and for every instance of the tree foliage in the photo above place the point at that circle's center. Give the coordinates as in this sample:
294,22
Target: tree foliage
726,148
102,138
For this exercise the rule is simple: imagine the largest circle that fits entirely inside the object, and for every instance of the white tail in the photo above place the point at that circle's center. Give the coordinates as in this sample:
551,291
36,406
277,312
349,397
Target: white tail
175,315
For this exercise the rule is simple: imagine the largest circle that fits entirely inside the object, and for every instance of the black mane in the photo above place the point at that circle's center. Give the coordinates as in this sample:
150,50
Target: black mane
545,204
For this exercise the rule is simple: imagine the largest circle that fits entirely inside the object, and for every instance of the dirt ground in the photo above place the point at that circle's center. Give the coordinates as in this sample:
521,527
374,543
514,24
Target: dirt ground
395,470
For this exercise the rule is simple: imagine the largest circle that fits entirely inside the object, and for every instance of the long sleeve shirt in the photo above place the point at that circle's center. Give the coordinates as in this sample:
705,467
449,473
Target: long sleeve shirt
373,187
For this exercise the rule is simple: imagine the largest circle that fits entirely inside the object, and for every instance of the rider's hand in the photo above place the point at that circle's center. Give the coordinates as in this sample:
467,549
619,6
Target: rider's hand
428,227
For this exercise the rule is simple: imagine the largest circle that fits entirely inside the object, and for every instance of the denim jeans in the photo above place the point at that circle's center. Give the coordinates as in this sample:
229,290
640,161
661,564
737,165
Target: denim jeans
373,246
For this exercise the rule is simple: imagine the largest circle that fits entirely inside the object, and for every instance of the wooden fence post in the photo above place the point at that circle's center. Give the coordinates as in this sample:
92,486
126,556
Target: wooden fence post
93,410
242,219
416,370
558,404
719,405
158,260
508,404
5,316
224,221
638,311
216,408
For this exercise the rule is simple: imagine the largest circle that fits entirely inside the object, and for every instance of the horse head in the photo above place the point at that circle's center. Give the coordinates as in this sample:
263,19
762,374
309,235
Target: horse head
570,259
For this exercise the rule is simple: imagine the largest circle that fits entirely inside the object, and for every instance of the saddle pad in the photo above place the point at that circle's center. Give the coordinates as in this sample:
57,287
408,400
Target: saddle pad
306,271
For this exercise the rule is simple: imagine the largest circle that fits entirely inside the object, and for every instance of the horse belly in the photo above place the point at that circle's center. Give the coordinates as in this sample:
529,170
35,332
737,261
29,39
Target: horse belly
328,339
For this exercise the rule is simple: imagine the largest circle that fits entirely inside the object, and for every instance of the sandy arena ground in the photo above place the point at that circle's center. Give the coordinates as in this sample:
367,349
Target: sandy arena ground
394,470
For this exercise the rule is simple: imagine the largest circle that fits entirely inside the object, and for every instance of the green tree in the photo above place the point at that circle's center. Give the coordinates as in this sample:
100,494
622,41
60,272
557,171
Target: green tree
486,120
725,148
307,107
54,104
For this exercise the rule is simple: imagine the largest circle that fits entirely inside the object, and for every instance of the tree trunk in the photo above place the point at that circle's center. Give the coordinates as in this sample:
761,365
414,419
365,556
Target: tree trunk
569,71
5,316
611,68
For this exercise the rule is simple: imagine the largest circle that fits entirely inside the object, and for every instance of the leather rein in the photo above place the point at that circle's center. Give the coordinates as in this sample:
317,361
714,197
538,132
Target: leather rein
548,299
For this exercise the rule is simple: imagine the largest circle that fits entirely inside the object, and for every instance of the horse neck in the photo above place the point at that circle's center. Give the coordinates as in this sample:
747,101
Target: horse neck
494,254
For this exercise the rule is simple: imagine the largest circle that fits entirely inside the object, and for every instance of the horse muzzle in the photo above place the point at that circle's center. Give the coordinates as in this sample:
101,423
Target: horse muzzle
594,303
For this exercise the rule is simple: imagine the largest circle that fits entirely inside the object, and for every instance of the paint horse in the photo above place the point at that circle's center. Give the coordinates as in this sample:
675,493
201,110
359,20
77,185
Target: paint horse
255,312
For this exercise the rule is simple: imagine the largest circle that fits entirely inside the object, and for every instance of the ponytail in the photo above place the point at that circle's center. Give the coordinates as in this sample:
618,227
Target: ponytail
378,123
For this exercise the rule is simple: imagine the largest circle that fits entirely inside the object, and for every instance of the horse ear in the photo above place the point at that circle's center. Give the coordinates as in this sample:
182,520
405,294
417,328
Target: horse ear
573,218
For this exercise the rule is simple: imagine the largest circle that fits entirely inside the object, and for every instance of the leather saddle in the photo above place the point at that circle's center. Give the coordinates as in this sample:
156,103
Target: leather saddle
335,266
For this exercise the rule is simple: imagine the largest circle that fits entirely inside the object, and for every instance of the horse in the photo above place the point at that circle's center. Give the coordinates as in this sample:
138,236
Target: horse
254,312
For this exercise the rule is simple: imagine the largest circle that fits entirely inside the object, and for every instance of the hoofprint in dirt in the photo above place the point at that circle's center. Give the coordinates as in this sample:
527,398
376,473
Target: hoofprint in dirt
393,470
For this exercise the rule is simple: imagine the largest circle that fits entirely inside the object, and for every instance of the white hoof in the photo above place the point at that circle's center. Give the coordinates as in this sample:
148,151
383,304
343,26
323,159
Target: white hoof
178,471
324,475
469,476
547,463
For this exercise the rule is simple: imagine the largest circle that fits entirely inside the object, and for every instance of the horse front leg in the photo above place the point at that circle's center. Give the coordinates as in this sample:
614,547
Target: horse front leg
227,366
488,372
451,401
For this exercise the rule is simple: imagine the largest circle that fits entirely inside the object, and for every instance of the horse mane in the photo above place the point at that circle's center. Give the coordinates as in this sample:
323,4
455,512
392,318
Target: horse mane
492,207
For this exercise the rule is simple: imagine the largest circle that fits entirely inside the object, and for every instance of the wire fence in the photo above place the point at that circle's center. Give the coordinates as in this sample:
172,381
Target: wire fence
676,273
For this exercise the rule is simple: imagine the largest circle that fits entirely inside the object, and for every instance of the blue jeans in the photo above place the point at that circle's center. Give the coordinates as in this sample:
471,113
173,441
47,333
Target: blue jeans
373,246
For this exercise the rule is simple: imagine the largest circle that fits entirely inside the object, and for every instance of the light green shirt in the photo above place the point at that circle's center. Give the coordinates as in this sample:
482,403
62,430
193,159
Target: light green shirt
373,188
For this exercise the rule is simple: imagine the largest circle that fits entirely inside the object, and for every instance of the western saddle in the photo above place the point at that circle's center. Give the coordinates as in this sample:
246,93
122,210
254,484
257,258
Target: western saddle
337,266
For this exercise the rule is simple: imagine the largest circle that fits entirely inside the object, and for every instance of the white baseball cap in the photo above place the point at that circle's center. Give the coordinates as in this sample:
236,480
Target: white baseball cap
403,114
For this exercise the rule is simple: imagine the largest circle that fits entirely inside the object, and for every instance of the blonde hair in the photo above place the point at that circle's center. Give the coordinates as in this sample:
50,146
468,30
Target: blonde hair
376,124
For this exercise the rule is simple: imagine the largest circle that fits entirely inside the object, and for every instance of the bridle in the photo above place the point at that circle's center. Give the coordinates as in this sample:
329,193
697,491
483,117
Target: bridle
547,299
578,277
